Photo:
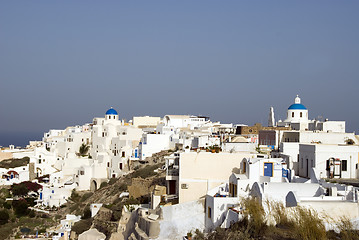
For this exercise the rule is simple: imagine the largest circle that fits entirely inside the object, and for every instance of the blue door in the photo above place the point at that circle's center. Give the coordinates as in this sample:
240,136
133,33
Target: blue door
284,173
268,169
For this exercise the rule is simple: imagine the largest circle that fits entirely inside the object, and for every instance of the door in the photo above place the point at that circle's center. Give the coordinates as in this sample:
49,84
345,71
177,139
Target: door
268,169
172,186
307,167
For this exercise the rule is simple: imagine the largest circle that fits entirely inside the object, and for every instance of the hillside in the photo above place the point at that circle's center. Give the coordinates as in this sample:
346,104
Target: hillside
139,183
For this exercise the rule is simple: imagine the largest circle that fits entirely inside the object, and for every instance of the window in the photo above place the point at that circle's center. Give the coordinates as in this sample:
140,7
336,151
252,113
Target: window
209,212
344,165
301,114
123,154
120,166
292,114
39,161
108,164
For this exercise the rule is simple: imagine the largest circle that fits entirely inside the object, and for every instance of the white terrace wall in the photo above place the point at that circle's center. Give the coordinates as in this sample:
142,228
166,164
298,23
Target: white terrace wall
180,219
201,171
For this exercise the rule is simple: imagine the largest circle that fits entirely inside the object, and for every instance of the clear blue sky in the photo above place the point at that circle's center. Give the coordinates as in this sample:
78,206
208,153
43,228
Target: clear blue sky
64,62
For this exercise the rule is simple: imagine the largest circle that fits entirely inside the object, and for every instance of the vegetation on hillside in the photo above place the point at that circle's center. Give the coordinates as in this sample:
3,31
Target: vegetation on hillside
16,215
14,162
23,188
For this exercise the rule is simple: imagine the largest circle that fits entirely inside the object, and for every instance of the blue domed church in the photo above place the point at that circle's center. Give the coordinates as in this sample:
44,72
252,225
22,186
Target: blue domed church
111,114
297,116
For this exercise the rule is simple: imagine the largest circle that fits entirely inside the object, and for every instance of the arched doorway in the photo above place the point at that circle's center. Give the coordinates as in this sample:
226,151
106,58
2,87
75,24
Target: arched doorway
93,186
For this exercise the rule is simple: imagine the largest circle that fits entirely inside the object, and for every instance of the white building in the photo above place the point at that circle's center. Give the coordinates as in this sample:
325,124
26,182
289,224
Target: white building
145,122
185,121
64,229
219,200
201,171
54,196
320,156
14,175
153,143
306,131
297,119
114,143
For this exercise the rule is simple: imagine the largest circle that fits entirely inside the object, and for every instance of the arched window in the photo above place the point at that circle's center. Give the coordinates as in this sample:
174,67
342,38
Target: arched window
301,114
292,114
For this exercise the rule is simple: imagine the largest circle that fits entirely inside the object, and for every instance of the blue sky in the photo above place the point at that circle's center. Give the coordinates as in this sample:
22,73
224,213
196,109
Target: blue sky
64,62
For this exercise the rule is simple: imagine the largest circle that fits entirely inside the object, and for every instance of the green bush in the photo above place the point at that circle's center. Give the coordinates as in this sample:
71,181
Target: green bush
45,215
198,235
74,207
14,162
82,226
23,188
20,207
112,181
86,196
31,201
147,171
117,207
87,213
4,216
19,190
32,214
6,205
122,187
75,196
5,193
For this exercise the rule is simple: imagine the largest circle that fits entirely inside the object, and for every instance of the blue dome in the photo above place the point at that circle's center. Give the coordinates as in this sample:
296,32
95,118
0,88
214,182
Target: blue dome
297,106
111,111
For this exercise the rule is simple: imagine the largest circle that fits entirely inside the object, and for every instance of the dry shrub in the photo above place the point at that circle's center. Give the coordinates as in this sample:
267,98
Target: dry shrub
308,225
280,214
347,230
302,222
254,215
